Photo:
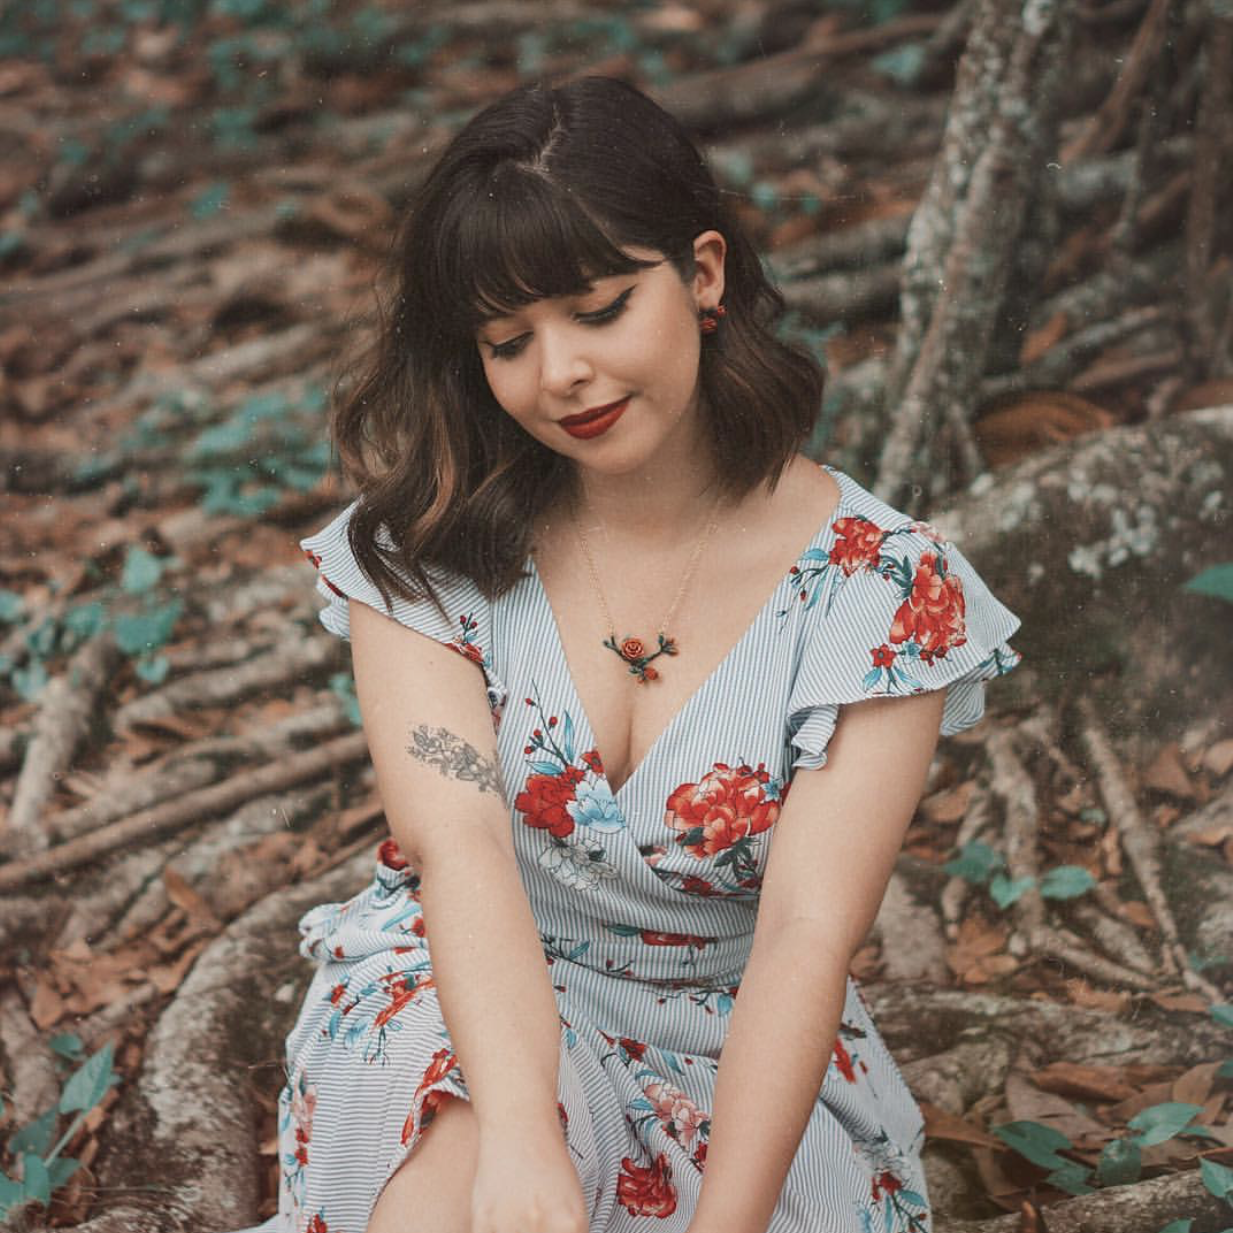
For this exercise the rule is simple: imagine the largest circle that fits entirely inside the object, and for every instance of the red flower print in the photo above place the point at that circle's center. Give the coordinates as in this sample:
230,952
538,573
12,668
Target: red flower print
428,1110
858,545
700,1156
697,886
885,1181
317,1225
390,855
316,560
470,651
591,758
443,1061
652,937
724,807
544,798
883,656
843,1060
647,1191
933,613
635,1048
401,997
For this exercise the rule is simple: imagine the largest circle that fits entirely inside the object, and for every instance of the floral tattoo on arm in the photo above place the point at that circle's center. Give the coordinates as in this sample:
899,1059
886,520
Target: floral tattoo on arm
455,758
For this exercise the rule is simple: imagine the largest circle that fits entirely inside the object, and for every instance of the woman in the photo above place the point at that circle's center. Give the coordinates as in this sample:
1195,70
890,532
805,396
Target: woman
652,713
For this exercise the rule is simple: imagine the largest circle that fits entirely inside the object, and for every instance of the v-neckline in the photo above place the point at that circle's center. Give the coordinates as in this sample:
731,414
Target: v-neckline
842,482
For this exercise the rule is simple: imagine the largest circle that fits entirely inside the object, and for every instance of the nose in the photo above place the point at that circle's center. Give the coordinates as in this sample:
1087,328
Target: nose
563,365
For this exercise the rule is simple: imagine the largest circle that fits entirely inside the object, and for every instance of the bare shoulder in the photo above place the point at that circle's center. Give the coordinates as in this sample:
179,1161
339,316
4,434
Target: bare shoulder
805,497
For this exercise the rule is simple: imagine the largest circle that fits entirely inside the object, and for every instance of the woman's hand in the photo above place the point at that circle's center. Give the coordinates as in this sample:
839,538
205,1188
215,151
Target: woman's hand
527,1183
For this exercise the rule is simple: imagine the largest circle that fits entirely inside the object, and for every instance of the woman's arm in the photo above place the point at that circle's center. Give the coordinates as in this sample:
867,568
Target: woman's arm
834,847
429,729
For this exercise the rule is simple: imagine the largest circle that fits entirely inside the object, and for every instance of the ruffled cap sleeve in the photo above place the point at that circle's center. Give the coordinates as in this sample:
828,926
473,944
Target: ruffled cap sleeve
902,612
467,627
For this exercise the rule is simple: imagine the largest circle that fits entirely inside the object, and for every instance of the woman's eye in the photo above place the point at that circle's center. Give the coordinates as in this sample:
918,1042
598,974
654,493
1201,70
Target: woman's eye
610,312
507,350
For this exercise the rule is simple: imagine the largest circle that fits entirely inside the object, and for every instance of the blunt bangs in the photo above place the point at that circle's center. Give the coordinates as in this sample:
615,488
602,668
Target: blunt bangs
521,238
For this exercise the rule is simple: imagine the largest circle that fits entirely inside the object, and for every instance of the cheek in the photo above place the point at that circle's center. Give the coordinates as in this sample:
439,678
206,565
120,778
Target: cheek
504,384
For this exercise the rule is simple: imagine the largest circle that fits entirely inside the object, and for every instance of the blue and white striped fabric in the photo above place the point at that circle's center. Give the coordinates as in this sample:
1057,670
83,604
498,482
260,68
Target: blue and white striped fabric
645,898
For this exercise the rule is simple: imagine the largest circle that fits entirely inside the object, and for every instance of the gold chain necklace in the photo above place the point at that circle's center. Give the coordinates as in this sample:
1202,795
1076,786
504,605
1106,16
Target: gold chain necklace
632,650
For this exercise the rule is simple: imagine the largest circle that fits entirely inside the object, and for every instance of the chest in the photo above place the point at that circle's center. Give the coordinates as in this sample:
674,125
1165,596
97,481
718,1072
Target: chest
626,716
727,595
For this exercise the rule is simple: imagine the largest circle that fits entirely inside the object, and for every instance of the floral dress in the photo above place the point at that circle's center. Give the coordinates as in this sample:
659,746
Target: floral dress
645,898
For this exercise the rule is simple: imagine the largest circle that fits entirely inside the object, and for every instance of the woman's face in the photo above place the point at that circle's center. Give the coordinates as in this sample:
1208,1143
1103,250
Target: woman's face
628,348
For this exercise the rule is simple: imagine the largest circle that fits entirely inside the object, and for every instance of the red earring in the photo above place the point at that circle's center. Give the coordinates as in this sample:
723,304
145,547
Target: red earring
709,318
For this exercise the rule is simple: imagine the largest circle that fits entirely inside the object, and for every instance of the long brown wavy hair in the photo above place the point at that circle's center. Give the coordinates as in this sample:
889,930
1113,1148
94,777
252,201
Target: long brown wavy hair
540,194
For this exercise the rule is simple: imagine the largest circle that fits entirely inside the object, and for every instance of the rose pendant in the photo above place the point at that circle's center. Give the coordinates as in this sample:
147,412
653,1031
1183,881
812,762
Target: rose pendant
633,652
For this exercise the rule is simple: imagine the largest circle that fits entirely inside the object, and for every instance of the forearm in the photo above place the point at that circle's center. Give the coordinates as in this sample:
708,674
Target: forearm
784,1024
493,984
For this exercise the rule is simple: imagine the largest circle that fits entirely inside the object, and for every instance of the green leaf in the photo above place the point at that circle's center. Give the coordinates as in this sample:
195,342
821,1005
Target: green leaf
1179,1226
222,439
11,1193
210,201
1163,1121
34,1136
142,570
343,684
84,620
1120,1163
1072,1179
11,605
1216,581
976,862
1223,1014
1217,1178
1226,1069
152,669
61,1169
1035,1142
36,1183
67,1045
1005,891
147,631
89,1084
1066,882
42,640
903,64
29,681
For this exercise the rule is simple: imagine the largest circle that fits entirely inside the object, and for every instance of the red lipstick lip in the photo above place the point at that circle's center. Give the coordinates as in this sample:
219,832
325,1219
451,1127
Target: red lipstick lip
585,417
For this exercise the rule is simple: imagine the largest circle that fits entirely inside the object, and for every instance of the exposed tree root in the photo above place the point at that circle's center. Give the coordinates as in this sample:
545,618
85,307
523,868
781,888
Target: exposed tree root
33,1086
912,945
1141,845
977,818
1012,783
192,766
1143,1208
223,1020
66,706
920,1022
183,811
269,671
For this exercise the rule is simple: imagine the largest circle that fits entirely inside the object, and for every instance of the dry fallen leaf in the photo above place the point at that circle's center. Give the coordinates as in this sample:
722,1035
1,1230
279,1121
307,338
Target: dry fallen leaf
1084,1082
1167,774
1219,758
1022,425
949,805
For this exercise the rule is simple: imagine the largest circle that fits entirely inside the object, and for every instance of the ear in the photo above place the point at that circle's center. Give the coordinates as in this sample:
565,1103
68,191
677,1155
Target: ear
710,249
